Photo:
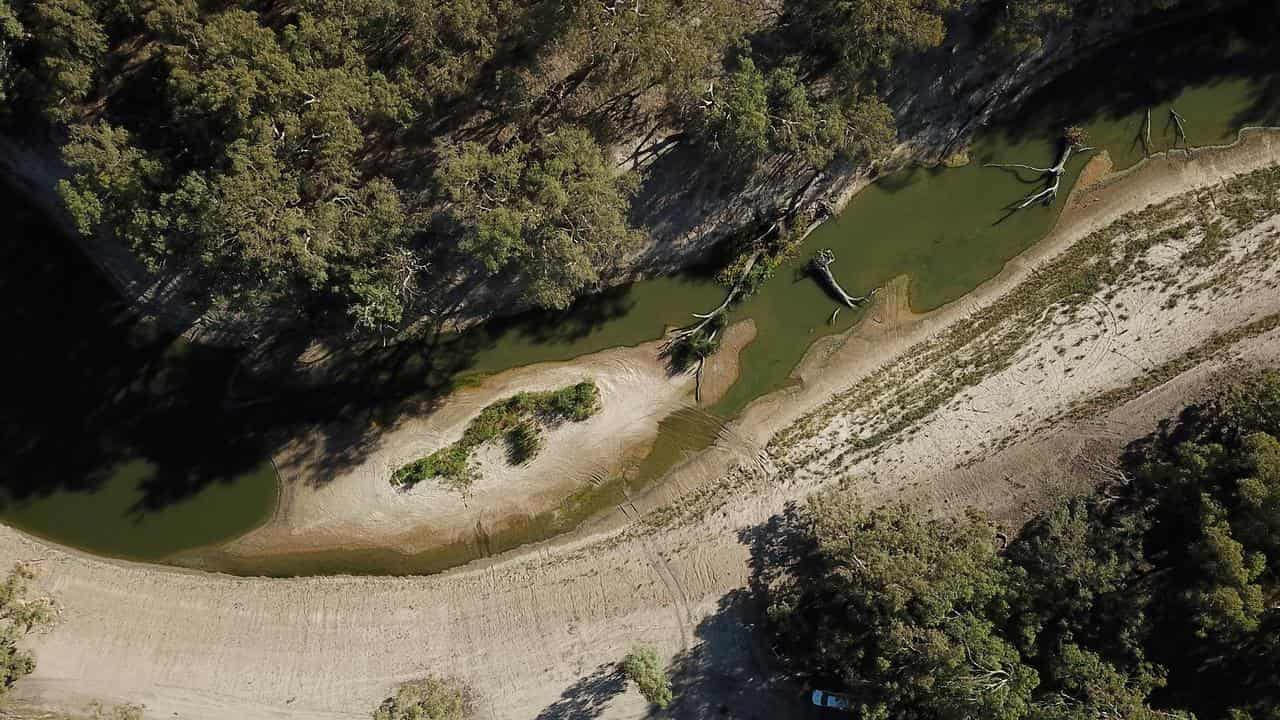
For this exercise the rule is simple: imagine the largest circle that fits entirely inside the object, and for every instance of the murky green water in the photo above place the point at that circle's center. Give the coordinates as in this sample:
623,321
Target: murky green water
114,435
948,229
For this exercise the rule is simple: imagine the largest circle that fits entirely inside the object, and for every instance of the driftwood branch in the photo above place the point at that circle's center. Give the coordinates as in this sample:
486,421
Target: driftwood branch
1146,134
821,265
1052,175
1180,130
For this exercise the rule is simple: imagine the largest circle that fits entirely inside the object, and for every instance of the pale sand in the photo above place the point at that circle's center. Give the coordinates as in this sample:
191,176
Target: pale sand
357,507
721,369
524,629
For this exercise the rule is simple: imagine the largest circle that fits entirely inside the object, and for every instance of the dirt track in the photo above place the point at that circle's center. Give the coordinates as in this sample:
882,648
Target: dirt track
535,632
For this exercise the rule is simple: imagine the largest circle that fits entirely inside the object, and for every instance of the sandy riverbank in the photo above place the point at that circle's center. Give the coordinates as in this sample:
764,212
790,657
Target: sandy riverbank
531,630
356,507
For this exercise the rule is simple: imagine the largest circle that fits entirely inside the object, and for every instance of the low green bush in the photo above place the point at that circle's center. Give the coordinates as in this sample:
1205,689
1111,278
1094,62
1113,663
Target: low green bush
642,667
517,419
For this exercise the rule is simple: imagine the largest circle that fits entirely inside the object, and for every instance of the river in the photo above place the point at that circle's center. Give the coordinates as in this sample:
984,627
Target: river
119,440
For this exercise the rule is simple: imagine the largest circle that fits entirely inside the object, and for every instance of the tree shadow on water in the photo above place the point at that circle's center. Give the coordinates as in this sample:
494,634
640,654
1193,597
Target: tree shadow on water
1155,67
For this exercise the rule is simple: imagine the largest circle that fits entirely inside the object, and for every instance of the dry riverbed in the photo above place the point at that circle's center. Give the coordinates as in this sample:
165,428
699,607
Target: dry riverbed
535,631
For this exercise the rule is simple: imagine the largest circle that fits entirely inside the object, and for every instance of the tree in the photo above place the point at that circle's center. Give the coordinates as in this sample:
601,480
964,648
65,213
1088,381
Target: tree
19,615
862,37
900,609
642,667
1074,566
1020,24
551,211
70,43
1153,599
113,186
12,36
431,698
751,115
733,124
1088,687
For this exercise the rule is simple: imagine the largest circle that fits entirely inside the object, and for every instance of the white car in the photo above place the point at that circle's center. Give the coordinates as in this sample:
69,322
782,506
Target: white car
825,699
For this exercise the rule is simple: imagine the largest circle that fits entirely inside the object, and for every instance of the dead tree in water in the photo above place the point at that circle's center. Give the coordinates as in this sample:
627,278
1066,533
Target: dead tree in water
1180,130
821,264
696,342
687,333
1072,142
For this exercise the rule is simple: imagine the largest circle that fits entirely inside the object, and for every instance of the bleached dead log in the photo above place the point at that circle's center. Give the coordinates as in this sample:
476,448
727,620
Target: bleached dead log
1071,143
821,264
1146,134
1180,130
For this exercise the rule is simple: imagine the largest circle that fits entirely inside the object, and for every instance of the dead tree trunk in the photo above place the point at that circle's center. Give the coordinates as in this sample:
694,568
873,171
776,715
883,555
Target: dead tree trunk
686,333
1146,135
1180,131
821,264
709,317
1052,175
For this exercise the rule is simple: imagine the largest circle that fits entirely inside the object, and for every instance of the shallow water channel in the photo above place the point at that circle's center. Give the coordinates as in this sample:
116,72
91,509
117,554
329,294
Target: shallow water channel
117,438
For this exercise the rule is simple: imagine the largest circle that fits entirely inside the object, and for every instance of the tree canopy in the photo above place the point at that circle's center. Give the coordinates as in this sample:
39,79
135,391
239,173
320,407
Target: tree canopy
1155,600
358,161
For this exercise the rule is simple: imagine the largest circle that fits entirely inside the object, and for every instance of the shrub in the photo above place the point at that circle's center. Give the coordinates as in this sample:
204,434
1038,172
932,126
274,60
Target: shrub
641,666
19,615
431,698
512,419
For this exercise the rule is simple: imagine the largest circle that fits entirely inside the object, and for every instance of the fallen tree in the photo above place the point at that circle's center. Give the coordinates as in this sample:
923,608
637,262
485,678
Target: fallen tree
1072,142
710,319
690,346
821,265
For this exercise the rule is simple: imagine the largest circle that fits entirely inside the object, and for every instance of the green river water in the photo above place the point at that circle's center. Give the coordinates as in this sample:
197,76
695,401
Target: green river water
124,445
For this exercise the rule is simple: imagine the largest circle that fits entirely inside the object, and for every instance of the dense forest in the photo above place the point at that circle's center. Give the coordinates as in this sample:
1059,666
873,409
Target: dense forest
343,162
1157,598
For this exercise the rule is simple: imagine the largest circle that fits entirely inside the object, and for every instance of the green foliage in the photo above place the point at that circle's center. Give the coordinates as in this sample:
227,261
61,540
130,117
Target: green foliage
514,419
352,163
686,351
524,441
280,159
734,127
642,667
753,115
19,615
901,610
1130,605
69,43
112,187
862,37
12,35
1021,24
431,698
552,210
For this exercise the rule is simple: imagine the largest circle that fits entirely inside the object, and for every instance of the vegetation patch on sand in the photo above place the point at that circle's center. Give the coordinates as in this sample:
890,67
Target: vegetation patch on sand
517,419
